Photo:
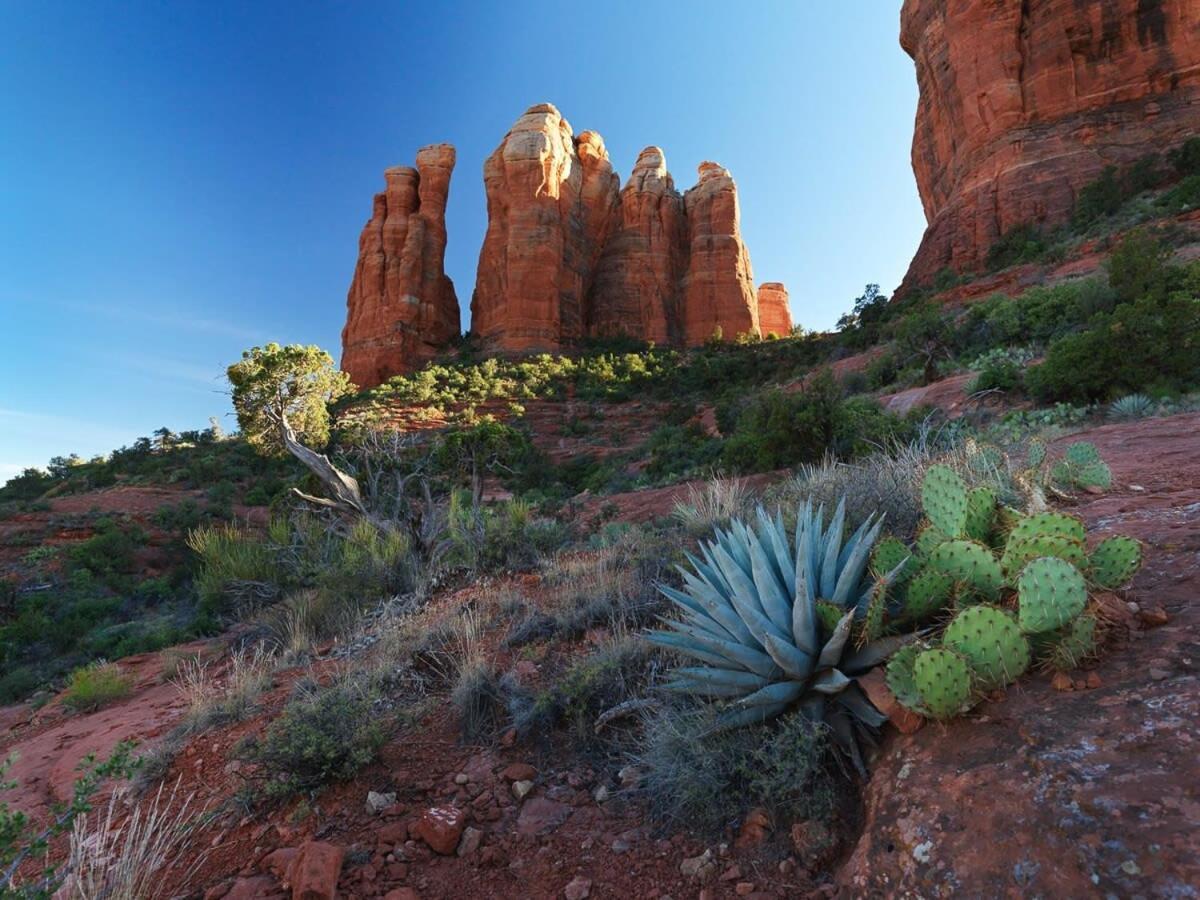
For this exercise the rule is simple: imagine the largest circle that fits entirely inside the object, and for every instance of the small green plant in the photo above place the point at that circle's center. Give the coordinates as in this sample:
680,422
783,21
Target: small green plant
1130,407
324,734
96,685
772,621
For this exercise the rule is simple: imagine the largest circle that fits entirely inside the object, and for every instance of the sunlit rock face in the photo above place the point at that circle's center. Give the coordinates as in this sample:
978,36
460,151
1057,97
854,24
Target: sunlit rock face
402,309
1023,103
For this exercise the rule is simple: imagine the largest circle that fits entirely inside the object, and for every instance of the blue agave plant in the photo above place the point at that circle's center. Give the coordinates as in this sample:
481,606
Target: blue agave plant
749,614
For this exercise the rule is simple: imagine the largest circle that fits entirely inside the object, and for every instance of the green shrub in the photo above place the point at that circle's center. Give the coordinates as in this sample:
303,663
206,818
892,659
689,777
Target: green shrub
234,564
324,734
1001,375
1099,198
1020,244
1138,267
1139,346
1183,197
677,451
1186,158
96,685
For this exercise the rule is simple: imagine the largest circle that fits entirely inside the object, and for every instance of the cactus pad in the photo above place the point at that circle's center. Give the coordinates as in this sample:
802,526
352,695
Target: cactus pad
1082,453
974,569
981,513
829,614
991,642
943,681
1019,551
871,628
1048,523
899,677
1051,593
944,499
928,592
1114,561
1037,454
889,554
1077,643
928,540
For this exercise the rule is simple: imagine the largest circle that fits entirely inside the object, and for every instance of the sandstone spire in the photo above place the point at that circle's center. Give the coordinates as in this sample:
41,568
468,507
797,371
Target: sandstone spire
637,287
774,314
718,289
401,308
551,201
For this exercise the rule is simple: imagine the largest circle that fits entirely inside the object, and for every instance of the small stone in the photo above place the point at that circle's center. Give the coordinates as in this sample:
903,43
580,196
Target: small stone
742,888
1153,616
619,846
521,788
462,778
1093,681
698,867
733,873
471,839
519,772
441,827
377,802
600,795
1157,674
629,776
755,829
1081,684
580,888
314,872
1062,682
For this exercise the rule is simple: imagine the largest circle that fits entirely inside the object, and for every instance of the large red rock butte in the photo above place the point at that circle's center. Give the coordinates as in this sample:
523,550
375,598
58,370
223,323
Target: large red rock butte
1021,104
402,309
567,255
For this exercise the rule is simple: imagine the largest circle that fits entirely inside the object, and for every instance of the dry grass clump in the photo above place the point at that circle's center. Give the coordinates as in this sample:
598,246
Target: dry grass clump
214,700
126,860
712,503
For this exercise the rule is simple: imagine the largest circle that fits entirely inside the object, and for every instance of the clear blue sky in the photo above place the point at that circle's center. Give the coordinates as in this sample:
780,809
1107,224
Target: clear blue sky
181,180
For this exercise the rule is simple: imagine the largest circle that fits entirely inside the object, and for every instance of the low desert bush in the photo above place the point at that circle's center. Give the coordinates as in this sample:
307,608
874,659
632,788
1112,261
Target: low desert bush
96,685
711,503
706,779
324,734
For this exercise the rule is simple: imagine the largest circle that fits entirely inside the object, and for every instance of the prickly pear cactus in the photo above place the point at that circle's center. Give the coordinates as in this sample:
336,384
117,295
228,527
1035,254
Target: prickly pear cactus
1094,476
900,679
944,499
1037,454
1082,453
943,680
892,556
1050,593
1019,551
1114,561
871,627
981,513
1048,523
991,642
975,571
829,615
1076,643
928,592
928,540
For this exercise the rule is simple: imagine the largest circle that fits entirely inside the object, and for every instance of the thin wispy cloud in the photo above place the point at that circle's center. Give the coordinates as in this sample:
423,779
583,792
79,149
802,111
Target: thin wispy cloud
175,320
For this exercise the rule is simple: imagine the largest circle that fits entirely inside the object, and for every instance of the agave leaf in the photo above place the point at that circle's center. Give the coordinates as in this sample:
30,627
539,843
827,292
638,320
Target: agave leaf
841,725
831,681
856,702
681,644
804,612
832,651
701,689
777,692
739,716
856,564
854,539
771,594
717,607
748,681
870,655
794,661
779,545
832,545
746,657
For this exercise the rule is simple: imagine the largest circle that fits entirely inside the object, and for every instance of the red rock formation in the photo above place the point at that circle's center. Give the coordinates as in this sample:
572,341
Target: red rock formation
1023,103
637,287
401,309
551,201
718,289
774,314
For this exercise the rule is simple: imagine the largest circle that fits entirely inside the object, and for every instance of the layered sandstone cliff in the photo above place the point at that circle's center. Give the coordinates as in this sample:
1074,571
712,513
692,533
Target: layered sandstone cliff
401,308
774,313
1023,103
